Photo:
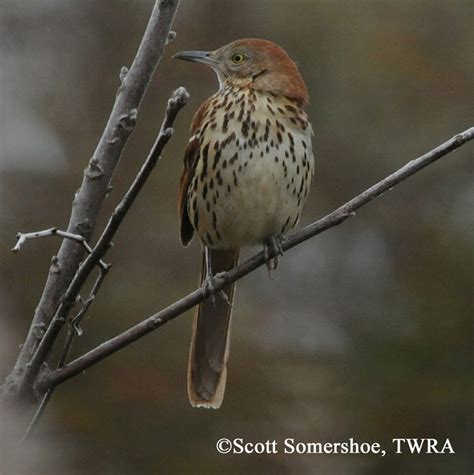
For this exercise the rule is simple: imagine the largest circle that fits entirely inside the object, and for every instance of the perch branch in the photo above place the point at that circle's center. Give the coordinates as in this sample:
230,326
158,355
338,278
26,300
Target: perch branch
96,181
334,218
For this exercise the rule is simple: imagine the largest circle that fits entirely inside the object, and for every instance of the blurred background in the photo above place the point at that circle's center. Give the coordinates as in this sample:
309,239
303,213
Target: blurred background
363,332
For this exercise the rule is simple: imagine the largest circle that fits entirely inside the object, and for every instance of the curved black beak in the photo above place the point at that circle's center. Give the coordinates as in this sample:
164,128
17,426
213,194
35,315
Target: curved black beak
204,57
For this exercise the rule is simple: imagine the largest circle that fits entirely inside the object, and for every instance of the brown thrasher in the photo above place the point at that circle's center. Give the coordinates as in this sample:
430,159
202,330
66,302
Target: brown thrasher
247,173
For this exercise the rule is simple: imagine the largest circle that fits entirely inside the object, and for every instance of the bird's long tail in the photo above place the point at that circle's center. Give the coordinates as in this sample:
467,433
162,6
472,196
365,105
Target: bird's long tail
210,339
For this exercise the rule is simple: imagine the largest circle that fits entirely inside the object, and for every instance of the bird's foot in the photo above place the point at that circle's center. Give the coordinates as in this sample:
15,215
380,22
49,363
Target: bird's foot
273,247
209,285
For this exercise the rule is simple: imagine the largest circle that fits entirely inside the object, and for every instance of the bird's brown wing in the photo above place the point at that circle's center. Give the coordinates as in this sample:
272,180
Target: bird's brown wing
191,156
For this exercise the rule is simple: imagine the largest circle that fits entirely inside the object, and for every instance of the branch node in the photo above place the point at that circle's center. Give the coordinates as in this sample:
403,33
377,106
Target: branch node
76,328
43,373
38,330
127,121
83,227
94,171
171,37
75,200
55,267
123,73
179,97
105,266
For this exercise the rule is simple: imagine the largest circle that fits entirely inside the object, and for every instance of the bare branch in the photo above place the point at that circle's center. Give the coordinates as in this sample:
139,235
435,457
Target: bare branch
37,415
175,104
23,237
339,215
73,330
96,182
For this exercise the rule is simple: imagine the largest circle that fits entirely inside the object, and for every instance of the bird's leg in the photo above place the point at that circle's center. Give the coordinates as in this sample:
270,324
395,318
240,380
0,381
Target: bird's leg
209,282
273,246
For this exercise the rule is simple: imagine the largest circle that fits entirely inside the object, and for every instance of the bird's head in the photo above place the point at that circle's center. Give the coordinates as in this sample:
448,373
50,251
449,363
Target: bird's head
255,63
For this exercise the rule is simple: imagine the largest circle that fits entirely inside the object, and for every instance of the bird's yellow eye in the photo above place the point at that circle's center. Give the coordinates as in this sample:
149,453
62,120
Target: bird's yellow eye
238,58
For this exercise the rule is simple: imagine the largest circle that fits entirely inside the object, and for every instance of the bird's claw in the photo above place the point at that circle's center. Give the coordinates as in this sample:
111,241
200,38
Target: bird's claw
274,246
209,285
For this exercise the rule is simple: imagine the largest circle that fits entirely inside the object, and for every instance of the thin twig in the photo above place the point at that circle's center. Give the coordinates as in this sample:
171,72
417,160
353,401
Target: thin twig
175,104
96,181
73,330
339,215
37,416
23,237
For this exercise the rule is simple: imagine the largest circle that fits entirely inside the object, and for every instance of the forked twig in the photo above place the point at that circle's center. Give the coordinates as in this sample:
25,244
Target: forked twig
23,237
73,330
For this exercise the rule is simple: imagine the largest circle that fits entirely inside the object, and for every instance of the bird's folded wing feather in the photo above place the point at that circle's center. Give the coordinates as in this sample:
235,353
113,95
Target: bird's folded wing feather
191,156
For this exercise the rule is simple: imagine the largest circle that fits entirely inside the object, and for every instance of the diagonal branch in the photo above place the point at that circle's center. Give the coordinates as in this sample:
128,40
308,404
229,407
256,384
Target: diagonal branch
73,330
339,215
96,181
175,104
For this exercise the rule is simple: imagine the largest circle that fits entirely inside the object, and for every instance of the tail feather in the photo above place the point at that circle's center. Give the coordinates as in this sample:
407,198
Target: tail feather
210,339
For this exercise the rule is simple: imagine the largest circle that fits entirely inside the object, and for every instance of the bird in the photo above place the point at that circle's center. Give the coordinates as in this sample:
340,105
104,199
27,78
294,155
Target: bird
248,169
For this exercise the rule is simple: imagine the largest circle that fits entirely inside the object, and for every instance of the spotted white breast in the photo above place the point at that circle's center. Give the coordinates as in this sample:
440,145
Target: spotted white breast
254,170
